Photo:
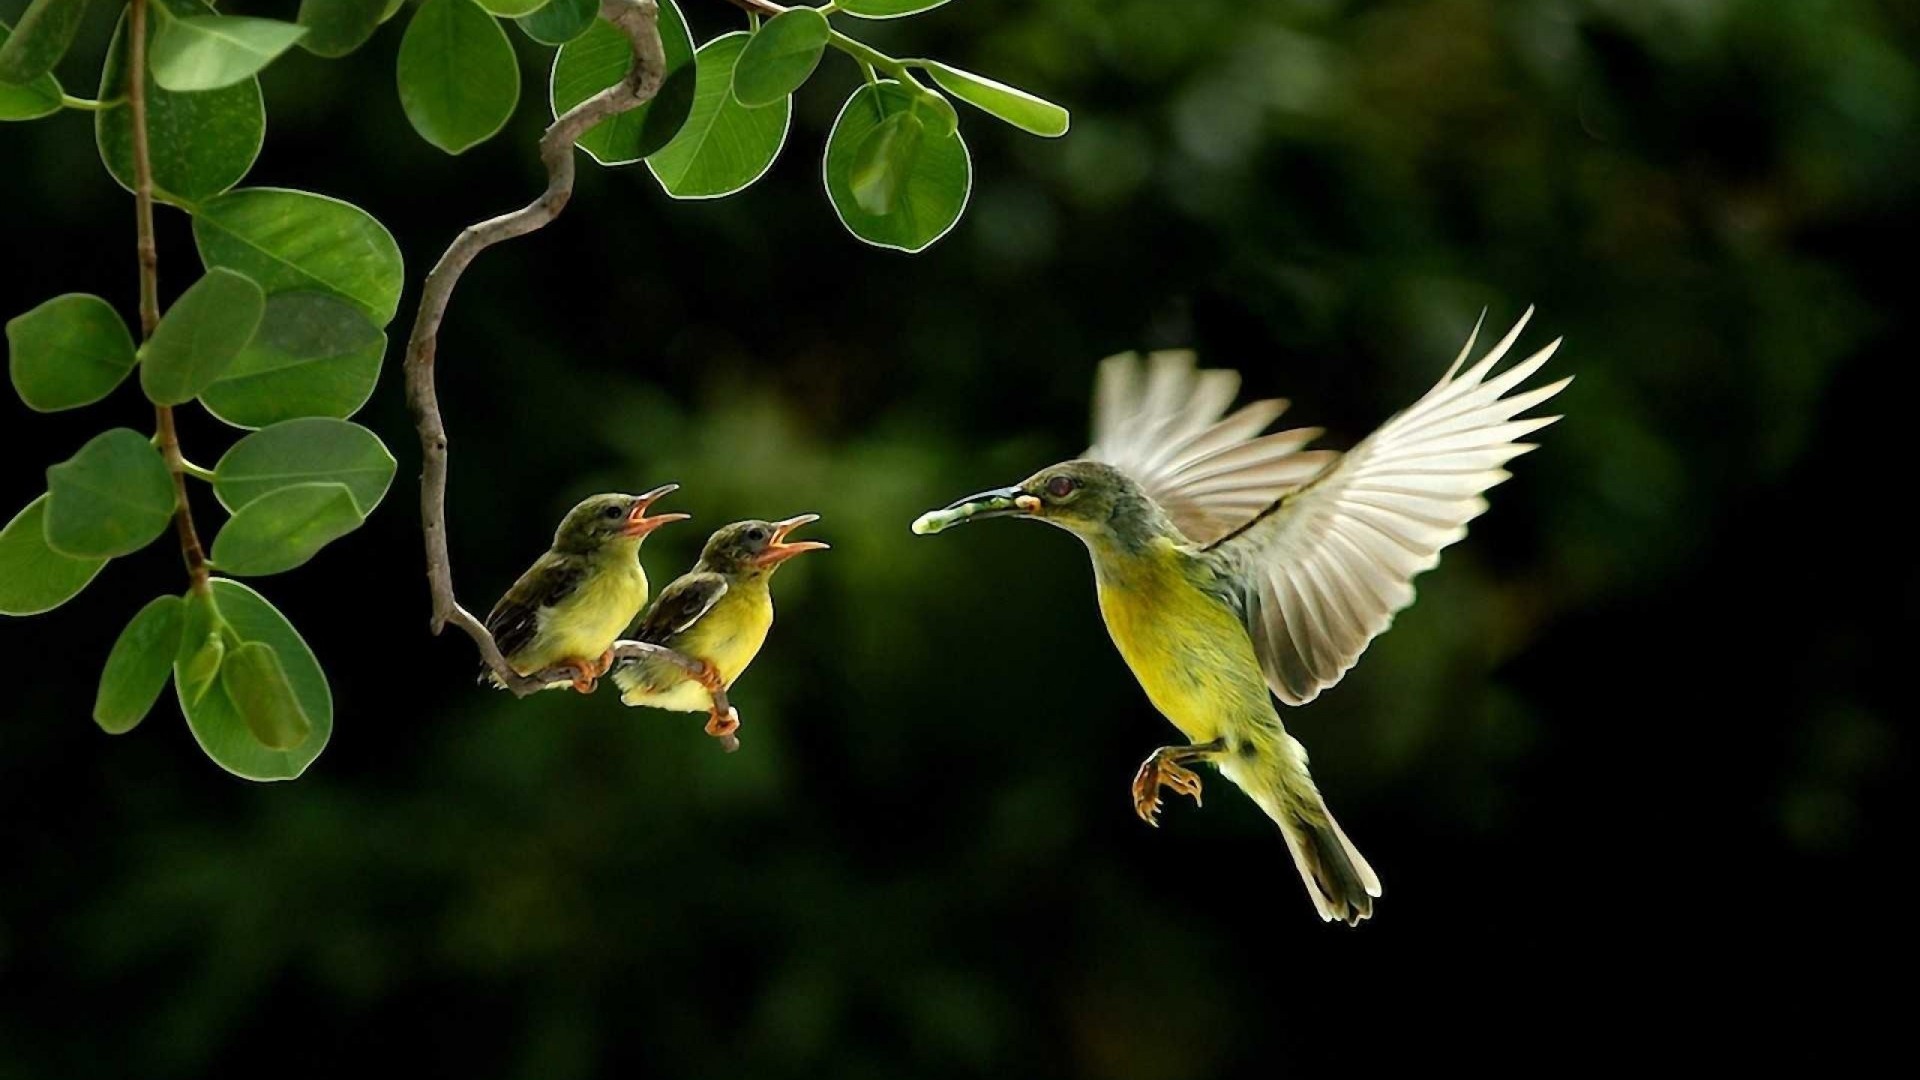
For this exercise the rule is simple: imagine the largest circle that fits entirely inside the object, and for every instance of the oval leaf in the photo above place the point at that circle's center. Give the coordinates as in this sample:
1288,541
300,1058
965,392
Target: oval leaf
207,52
601,57
216,721
780,57
313,355
724,146
305,452
559,21
199,336
202,144
30,100
512,9
292,240
203,645
887,9
933,193
337,27
257,686
1015,106
70,351
41,39
112,498
33,576
883,161
139,666
458,77
283,529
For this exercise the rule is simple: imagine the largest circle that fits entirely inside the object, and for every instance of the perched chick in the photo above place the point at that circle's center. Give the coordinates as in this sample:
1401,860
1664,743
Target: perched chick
718,615
569,607
1231,563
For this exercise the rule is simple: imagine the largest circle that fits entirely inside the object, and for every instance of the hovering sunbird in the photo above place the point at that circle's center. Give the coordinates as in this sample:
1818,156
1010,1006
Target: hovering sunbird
1230,563
717,615
568,608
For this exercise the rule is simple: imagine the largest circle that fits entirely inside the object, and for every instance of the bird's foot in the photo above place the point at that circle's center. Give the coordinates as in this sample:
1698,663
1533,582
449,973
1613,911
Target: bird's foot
585,674
604,664
1163,768
708,676
723,725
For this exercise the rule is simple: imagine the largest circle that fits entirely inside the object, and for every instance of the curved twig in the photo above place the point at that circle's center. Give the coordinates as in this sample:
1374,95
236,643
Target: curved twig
639,21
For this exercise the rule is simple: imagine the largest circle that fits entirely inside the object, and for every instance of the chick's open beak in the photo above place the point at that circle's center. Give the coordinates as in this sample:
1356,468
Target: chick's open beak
779,550
1000,502
639,524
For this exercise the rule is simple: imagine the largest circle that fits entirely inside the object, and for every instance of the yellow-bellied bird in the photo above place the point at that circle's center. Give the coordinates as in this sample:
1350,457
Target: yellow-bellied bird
1231,563
568,608
718,615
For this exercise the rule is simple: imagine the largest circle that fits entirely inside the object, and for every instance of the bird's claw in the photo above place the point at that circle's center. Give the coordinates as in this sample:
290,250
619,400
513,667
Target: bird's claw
721,727
1158,771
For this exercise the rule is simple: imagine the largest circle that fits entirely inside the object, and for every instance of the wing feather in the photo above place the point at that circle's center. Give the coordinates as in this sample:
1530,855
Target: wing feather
1328,564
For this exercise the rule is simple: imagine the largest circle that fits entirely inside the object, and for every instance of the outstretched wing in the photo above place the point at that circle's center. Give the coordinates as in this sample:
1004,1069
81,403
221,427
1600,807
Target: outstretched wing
1161,422
1325,568
680,605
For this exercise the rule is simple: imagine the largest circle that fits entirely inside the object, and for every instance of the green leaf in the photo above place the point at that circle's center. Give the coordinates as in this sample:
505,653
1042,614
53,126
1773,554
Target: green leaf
314,355
257,686
29,100
883,161
292,240
512,9
601,57
201,144
41,39
112,498
207,52
139,666
724,145
458,77
70,351
199,336
218,724
283,529
560,21
33,576
780,57
337,27
1008,103
933,192
203,646
310,451
887,9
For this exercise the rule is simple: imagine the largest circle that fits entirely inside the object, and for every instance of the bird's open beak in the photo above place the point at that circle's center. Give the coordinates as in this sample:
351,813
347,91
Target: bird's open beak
639,524
1000,502
779,550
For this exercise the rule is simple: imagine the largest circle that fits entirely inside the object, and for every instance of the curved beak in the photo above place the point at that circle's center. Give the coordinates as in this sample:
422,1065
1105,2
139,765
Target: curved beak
779,550
639,524
1000,502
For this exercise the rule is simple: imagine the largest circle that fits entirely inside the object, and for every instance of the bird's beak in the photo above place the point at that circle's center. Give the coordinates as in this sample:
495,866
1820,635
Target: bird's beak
1000,502
639,524
779,550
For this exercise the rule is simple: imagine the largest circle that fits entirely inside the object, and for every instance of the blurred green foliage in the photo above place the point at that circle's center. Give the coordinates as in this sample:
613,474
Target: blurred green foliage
1643,718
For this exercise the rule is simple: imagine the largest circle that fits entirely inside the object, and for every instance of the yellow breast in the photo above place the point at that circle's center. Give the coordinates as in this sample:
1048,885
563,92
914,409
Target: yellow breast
730,636
586,624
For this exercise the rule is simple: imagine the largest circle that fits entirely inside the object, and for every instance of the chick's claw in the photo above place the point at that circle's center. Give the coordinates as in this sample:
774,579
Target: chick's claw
723,726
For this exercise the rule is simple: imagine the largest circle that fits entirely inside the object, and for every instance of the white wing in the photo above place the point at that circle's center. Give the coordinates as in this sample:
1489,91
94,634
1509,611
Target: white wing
1161,423
1329,565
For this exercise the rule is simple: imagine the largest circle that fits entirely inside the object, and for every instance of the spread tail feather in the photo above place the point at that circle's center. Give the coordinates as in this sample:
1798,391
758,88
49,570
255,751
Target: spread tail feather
1341,884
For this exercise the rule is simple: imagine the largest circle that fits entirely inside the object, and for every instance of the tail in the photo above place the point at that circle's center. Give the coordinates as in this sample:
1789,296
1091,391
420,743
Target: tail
1338,879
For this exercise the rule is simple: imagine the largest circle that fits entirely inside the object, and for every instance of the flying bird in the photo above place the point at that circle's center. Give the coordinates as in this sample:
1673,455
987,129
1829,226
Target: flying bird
568,608
717,615
1231,563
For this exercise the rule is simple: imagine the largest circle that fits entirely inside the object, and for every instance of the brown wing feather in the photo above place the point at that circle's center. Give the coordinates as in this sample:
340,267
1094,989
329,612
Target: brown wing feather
515,620
679,606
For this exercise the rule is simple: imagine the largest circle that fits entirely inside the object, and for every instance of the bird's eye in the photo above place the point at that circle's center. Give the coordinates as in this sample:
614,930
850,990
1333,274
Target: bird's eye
611,513
1062,486
756,535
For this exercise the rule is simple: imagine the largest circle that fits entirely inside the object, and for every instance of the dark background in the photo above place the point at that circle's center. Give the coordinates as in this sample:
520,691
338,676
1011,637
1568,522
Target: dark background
1630,769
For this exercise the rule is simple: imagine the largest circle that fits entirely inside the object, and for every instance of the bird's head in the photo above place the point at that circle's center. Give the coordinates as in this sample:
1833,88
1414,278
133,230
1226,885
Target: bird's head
1090,499
612,518
749,548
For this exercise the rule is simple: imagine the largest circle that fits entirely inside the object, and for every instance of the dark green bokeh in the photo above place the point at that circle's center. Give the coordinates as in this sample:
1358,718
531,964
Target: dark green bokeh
1632,756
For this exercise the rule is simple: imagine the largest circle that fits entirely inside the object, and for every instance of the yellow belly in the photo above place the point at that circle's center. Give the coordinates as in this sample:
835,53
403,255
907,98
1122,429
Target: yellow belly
586,624
728,637
1190,651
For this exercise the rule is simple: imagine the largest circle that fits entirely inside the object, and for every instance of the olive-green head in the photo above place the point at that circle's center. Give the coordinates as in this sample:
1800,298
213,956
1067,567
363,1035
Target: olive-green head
1091,499
755,548
613,518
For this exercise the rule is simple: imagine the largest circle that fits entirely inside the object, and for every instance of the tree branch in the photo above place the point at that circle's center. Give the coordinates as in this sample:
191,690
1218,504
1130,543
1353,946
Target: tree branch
149,253
639,21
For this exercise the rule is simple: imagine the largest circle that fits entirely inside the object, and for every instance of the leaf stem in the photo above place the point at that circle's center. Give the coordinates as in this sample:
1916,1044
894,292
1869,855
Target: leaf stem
90,104
868,56
198,472
149,254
